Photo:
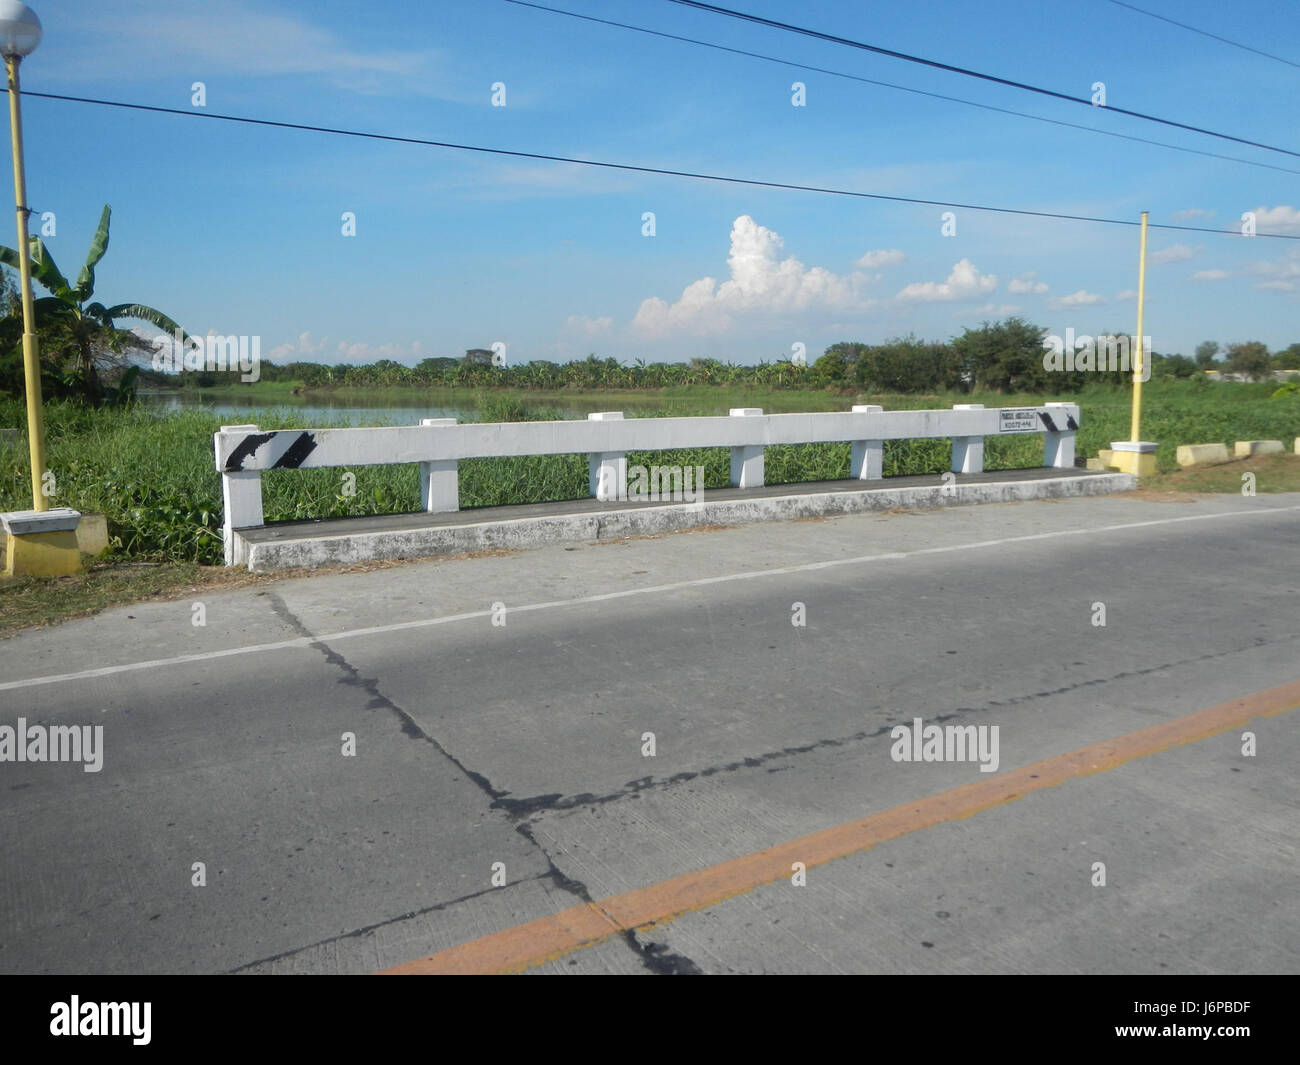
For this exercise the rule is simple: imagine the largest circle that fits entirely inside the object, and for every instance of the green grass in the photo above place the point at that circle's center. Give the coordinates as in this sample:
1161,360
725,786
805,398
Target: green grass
152,475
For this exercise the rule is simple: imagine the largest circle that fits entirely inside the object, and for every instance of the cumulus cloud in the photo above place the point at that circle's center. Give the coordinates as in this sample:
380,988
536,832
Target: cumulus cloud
1175,253
1209,275
1272,219
761,281
308,349
1278,286
1278,270
580,323
1126,294
1081,298
874,260
965,282
997,310
1028,283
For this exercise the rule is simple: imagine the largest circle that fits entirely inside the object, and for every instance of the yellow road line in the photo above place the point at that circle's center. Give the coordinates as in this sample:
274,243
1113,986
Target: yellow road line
536,942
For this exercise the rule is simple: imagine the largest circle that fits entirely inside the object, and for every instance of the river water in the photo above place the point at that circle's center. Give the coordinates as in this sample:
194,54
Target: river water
323,409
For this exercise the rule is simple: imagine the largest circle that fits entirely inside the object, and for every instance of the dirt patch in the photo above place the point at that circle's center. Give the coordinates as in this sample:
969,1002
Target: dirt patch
1153,495
655,536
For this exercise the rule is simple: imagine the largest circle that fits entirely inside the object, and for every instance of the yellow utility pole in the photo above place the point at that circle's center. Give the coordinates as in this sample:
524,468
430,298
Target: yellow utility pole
31,350
1139,357
1135,455
41,542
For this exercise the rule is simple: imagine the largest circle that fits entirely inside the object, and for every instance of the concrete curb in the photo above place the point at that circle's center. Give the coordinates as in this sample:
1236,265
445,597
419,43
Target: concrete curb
324,548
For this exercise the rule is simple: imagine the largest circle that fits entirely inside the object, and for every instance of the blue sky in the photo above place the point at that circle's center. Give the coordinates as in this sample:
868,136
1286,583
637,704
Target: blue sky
236,229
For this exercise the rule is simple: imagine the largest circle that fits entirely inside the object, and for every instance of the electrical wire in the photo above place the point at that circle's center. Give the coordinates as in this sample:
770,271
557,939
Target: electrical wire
629,167
966,72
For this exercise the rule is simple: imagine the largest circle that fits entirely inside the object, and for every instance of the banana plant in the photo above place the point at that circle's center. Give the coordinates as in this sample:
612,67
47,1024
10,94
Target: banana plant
78,329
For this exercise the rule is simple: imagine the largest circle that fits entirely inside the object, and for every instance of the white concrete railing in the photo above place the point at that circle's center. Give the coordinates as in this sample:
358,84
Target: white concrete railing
243,452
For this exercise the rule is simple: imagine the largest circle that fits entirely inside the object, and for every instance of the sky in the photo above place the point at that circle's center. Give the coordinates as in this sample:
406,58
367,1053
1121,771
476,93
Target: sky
239,230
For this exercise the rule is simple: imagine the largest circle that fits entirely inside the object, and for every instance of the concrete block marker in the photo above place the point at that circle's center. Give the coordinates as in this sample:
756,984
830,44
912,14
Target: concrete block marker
1244,449
439,479
607,470
1201,454
41,543
241,498
1062,427
747,467
1135,457
968,451
92,534
866,457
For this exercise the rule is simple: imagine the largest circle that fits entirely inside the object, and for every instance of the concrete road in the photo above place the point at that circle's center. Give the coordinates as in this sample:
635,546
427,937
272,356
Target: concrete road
501,712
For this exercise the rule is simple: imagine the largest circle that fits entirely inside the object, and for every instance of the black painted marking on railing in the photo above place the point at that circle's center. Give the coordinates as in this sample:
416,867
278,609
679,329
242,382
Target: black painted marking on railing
1047,421
244,449
297,453
1070,423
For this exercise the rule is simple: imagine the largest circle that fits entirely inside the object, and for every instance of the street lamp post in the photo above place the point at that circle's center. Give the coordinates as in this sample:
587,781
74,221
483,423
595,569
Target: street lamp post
20,33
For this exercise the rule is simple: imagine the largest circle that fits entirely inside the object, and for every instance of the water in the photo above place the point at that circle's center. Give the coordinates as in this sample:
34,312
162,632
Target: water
240,410
324,409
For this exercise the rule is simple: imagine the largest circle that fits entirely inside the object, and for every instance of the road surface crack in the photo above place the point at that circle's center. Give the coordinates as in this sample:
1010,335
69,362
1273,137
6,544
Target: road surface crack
655,957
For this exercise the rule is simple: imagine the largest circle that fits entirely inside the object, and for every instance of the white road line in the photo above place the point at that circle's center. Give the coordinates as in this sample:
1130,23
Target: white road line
806,567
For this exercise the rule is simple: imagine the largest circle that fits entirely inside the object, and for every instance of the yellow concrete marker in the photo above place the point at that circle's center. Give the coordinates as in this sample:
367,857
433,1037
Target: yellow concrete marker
41,543
92,534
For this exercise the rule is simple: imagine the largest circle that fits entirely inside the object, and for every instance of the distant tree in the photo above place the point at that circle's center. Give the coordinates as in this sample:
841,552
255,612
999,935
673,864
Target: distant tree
1173,366
832,368
1206,350
906,364
1005,357
477,357
1252,359
1288,358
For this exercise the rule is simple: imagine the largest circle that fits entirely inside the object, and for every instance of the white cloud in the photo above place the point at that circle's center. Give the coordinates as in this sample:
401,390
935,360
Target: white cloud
1081,298
580,323
873,260
1175,253
1028,283
997,310
1278,286
1209,275
761,282
1124,295
1287,270
965,282
240,39
1271,219
307,349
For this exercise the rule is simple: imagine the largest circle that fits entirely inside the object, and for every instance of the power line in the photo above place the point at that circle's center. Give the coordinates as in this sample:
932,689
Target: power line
661,171
900,88
1205,33
817,34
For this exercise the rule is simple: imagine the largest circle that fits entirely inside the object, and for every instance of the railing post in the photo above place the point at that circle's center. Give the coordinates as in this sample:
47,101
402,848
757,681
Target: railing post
747,461
866,457
241,505
1058,448
607,470
439,479
968,451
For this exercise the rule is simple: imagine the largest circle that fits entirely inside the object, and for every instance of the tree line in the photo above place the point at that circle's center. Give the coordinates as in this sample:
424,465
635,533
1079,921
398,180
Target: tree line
1004,356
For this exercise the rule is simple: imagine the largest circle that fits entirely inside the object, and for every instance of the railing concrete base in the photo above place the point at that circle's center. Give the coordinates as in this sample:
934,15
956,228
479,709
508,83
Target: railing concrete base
347,541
